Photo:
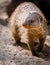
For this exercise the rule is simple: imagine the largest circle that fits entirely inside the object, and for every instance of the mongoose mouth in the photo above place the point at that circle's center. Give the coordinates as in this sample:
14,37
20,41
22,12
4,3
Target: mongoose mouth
33,20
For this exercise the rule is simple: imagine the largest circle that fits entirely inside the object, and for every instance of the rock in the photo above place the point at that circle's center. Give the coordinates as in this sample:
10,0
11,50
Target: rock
3,6
1,63
12,63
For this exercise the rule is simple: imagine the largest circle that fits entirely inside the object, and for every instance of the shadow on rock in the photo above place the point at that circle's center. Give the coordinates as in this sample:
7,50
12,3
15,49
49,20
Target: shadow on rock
4,22
46,52
23,45
48,29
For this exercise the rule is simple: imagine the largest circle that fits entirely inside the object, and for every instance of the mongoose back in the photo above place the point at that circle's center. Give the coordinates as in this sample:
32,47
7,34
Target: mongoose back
28,25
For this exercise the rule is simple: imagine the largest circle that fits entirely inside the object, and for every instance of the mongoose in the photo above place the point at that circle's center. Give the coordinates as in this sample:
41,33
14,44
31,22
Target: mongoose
28,25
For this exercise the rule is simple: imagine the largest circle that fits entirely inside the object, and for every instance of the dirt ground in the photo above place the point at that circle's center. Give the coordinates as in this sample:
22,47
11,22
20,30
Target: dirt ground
19,54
